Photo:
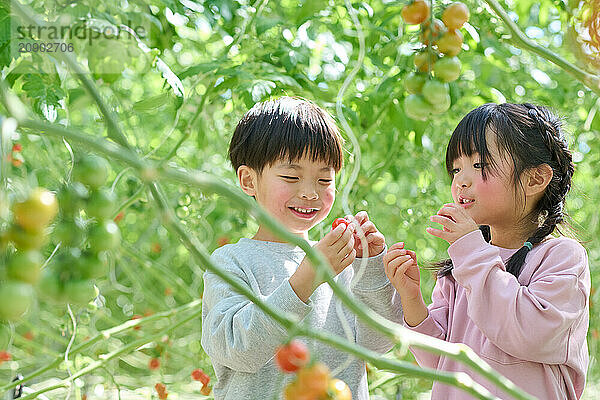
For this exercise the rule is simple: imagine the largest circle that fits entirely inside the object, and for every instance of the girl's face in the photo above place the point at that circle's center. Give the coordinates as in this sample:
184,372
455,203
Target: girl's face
298,194
491,201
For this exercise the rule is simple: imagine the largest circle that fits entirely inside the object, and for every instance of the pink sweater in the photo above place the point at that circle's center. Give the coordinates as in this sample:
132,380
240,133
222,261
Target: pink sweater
531,330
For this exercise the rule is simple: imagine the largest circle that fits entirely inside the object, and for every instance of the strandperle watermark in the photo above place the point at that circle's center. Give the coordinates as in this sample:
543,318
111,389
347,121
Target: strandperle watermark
106,46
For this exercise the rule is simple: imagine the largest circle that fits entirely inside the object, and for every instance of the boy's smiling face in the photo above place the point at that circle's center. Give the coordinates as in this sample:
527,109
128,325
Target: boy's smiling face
299,194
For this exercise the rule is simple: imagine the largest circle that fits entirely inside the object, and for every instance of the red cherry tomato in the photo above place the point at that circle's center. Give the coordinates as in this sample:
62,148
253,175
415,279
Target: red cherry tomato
339,221
154,363
161,390
199,375
292,356
5,356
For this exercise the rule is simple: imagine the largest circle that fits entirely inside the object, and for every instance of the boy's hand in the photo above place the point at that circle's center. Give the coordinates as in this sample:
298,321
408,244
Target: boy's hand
455,221
403,272
375,240
338,248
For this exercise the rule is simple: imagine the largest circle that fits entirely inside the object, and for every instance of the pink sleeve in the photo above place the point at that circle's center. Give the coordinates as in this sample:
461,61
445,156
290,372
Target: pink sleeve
436,323
532,322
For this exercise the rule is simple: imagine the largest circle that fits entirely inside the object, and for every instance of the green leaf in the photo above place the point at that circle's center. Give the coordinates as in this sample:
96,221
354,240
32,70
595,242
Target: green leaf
152,103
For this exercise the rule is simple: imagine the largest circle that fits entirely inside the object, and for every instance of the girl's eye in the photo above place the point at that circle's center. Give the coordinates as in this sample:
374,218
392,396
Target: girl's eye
454,171
478,165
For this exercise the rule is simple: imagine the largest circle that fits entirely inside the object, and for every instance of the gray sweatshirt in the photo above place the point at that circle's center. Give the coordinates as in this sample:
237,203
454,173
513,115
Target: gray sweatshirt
241,339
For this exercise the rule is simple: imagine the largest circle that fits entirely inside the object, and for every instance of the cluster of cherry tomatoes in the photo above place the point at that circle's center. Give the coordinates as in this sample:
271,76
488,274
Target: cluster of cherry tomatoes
86,233
313,381
436,63
20,244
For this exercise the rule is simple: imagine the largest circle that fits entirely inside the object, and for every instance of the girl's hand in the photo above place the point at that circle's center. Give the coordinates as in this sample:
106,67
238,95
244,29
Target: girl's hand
455,221
375,240
403,272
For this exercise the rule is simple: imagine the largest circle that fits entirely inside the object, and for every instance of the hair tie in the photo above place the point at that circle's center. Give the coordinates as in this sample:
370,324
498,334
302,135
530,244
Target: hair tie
528,245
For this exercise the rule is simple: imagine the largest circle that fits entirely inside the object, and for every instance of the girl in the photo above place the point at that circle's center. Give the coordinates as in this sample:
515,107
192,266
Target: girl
520,300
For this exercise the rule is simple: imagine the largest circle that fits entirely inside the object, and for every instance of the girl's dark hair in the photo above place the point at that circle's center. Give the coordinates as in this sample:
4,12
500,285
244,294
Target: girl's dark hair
286,127
529,136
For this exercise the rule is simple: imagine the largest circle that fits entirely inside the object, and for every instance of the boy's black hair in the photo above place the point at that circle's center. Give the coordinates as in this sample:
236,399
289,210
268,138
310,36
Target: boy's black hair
529,136
287,127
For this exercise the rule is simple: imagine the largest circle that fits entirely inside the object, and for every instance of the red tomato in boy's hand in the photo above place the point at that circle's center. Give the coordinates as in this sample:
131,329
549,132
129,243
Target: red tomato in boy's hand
339,221
292,356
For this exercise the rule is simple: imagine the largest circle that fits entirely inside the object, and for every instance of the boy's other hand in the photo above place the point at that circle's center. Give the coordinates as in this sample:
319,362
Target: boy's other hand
375,239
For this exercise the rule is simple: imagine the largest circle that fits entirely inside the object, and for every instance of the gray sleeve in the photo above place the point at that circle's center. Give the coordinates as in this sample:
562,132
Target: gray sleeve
375,290
235,332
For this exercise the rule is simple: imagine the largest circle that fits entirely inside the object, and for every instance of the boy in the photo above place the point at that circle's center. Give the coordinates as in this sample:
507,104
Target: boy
286,153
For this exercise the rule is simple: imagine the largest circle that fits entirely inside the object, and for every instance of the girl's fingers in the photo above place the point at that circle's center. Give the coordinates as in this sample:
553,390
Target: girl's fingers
443,220
437,232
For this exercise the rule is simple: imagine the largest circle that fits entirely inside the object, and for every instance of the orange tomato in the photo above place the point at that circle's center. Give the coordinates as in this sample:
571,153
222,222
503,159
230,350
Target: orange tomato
415,12
314,380
455,15
450,43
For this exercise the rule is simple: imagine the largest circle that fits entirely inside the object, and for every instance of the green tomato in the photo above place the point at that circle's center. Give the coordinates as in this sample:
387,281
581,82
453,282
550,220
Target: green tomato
25,266
104,235
442,106
101,204
80,291
25,240
70,198
93,265
91,170
37,211
416,107
50,286
69,233
15,299
435,91
447,69
414,82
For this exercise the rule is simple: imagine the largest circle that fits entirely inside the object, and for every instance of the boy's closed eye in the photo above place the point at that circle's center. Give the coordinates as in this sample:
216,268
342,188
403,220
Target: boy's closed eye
289,177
